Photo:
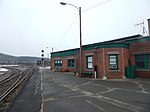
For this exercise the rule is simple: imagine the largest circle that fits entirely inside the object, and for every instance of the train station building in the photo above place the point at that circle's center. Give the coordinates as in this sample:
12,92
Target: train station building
107,59
118,58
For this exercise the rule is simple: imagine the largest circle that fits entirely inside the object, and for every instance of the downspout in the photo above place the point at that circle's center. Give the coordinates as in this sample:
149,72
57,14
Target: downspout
123,77
104,76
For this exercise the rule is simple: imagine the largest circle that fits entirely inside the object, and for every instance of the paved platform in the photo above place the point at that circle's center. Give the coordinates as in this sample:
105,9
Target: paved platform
49,91
29,99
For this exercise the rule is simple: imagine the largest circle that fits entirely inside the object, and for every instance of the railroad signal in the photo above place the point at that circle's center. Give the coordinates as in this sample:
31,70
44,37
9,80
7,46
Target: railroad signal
42,51
42,57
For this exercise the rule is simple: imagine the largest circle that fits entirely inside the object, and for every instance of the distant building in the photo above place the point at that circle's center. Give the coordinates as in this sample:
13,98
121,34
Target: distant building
109,59
39,62
46,62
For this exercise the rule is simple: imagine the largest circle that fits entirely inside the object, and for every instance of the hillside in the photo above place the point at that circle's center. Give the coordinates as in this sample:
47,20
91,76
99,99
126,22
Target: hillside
8,59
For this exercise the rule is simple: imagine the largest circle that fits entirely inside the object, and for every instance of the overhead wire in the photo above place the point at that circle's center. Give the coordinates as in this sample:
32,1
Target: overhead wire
67,30
69,27
96,5
76,18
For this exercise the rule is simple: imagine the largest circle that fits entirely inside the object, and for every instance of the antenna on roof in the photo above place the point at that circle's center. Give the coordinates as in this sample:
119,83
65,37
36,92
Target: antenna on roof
144,32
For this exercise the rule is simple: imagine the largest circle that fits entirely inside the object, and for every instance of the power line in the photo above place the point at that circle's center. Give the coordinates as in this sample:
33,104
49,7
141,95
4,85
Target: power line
76,18
67,30
69,27
96,5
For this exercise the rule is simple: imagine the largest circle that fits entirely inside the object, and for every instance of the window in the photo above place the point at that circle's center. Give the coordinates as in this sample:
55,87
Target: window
55,63
148,61
89,64
139,63
113,62
58,63
142,61
70,62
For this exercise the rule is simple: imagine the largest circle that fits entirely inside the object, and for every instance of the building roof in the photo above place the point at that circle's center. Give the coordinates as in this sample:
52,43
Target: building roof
115,43
69,52
120,40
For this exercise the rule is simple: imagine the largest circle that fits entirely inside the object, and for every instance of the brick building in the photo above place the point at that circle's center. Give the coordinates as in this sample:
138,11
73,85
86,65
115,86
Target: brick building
107,59
65,60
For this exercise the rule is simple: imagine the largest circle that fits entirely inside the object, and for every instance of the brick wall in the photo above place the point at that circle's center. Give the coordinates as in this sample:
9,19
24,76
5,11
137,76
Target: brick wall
84,54
64,63
122,62
142,74
142,47
52,63
102,61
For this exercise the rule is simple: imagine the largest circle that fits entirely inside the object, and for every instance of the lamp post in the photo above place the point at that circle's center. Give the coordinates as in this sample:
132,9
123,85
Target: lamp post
47,52
80,55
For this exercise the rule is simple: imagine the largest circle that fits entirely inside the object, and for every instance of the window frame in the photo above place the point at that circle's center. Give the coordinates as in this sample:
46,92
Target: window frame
146,61
116,62
71,63
89,62
58,63
139,61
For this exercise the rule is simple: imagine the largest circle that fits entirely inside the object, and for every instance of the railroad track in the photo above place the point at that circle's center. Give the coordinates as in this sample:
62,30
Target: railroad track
11,87
10,75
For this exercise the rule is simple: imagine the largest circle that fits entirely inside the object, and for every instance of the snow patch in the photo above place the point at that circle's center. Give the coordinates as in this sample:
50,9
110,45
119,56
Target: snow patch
3,70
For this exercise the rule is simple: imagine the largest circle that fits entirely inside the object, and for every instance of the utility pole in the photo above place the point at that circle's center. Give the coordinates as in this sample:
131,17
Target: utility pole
80,53
148,20
80,43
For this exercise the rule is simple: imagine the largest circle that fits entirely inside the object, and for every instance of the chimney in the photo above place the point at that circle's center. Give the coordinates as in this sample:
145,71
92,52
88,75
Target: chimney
149,26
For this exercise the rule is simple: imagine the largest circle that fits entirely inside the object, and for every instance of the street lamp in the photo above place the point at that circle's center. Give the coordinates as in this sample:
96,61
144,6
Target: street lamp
79,9
47,51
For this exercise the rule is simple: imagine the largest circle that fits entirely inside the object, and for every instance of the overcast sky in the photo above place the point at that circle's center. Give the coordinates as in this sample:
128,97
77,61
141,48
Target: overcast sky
28,26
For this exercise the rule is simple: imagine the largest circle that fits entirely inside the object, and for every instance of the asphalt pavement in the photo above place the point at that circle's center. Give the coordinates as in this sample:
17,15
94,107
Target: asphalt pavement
29,100
49,91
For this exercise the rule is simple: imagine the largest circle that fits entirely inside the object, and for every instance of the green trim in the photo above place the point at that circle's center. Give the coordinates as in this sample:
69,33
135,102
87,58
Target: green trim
71,52
89,62
71,63
114,45
143,70
113,64
145,60
124,44
142,39
117,43
87,73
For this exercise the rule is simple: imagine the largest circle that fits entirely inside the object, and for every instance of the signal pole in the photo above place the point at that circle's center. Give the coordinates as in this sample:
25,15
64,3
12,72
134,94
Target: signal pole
42,57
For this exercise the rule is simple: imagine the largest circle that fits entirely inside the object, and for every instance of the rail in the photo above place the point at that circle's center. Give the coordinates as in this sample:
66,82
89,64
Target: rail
20,78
